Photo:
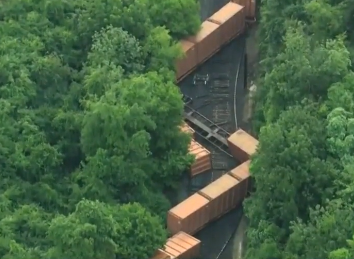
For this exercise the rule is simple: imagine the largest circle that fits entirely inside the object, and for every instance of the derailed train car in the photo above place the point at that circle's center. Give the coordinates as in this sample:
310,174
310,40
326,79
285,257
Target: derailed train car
220,196
242,145
181,246
210,203
202,155
215,32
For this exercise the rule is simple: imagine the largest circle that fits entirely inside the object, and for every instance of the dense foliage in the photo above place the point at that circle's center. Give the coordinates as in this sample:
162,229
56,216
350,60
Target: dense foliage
89,125
302,204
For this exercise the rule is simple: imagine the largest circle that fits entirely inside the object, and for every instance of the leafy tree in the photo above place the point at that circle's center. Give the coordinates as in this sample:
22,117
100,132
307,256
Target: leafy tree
140,107
185,21
274,23
324,20
116,46
343,253
85,233
327,229
302,203
287,182
18,251
97,230
161,51
284,176
74,125
340,94
27,225
314,68
139,233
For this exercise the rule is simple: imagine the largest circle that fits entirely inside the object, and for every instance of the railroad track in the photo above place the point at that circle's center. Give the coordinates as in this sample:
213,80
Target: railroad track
223,119
219,165
220,122
220,97
230,237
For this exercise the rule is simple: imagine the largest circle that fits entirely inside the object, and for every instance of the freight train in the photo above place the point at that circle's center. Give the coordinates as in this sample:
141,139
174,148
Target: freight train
181,246
227,192
202,155
215,32
210,203
220,196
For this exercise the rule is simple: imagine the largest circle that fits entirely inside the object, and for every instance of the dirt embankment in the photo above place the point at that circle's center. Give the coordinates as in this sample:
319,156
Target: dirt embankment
252,62
239,239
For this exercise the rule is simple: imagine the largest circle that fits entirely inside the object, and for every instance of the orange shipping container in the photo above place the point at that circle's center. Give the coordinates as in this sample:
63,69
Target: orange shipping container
160,254
189,61
189,216
242,173
202,161
207,41
231,19
187,129
224,195
250,7
242,145
183,246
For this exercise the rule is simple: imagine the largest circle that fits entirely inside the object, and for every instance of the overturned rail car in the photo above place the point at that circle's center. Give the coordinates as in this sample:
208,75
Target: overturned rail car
215,32
202,155
220,196
181,246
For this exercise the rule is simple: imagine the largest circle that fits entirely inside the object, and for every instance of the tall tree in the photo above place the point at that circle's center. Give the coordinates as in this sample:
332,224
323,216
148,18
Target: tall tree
97,230
185,22
290,170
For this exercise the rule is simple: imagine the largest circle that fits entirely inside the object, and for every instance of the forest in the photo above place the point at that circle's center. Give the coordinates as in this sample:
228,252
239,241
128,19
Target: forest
86,159
90,146
302,206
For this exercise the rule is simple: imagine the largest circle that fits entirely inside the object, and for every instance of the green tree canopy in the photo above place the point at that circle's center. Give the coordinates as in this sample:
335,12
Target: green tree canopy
89,110
301,206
